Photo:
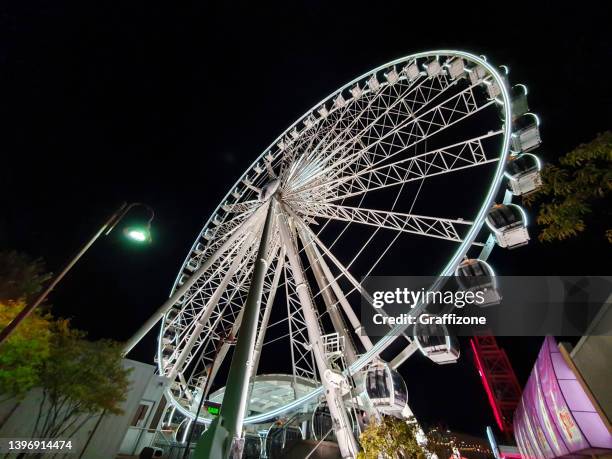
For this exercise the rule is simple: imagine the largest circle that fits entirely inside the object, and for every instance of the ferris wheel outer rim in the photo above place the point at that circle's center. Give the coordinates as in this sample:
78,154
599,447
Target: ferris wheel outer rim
449,268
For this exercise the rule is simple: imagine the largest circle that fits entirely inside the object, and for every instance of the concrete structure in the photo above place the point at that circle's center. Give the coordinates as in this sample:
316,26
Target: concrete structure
101,437
592,358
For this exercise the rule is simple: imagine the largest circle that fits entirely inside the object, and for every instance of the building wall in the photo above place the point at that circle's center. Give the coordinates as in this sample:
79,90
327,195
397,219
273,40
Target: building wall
592,356
106,434
557,416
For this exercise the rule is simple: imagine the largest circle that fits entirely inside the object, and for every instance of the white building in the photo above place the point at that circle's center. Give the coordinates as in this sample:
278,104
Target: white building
102,437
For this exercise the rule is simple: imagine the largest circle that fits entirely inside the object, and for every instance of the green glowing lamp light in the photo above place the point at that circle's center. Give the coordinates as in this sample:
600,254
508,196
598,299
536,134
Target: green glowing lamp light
138,234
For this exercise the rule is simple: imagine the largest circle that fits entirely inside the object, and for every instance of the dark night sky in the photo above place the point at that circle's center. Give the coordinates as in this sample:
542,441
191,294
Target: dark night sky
167,104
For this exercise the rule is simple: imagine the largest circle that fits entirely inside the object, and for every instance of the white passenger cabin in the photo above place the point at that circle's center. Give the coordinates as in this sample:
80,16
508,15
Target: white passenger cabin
526,135
435,343
386,389
477,275
523,173
509,225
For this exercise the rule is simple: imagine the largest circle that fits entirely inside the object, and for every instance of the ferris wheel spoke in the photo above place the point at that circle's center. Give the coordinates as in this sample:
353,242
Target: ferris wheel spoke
305,158
331,282
308,235
334,123
352,116
205,285
293,148
441,228
222,230
177,296
331,301
208,322
215,330
242,207
221,354
385,121
222,318
222,330
333,394
269,296
382,106
210,303
406,132
453,158
223,245
357,286
224,288
221,322
302,358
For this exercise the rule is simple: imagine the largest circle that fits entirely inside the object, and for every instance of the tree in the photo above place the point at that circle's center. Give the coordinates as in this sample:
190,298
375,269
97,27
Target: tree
79,379
21,278
571,189
391,438
22,355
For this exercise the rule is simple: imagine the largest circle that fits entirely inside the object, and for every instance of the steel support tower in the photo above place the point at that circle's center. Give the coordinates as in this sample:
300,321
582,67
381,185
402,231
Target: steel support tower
498,378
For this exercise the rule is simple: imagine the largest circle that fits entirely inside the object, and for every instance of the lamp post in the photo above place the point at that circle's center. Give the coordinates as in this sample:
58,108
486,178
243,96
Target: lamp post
134,233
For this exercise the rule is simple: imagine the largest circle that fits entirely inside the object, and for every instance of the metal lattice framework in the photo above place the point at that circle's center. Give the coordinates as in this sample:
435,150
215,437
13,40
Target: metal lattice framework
365,165
499,380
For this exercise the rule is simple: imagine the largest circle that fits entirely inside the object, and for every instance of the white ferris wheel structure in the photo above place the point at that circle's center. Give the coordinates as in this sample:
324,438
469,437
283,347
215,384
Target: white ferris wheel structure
411,157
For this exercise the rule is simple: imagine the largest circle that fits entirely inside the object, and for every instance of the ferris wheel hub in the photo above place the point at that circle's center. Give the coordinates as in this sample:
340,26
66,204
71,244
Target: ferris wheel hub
268,190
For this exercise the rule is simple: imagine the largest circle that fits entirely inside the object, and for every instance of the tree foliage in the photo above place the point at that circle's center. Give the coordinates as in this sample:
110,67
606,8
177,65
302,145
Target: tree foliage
21,277
570,189
79,379
390,438
22,355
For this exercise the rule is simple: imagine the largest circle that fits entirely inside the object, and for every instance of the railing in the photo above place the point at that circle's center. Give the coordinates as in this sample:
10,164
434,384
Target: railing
270,447
319,444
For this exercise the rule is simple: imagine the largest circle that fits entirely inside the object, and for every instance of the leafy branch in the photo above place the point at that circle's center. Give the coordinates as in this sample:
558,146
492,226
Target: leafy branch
571,189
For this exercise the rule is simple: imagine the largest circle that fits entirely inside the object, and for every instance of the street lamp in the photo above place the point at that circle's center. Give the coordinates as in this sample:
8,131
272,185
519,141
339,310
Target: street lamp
138,234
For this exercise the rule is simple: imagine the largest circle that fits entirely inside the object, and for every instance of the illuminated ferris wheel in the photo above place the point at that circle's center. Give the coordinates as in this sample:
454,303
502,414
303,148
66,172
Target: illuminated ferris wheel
405,160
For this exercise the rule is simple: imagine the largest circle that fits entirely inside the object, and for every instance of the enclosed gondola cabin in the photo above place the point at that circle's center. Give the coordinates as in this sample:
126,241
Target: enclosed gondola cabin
523,173
386,389
526,135
518,95
477,276
508,222
435,342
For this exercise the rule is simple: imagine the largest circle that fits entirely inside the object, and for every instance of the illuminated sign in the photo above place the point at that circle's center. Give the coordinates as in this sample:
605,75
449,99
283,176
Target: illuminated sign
212,408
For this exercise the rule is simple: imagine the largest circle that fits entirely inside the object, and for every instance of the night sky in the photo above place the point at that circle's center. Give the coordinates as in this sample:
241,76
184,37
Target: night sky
168,104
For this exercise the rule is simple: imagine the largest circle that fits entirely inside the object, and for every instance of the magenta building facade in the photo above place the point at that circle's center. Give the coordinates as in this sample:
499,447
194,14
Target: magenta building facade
555,417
